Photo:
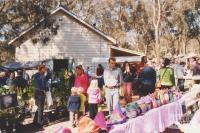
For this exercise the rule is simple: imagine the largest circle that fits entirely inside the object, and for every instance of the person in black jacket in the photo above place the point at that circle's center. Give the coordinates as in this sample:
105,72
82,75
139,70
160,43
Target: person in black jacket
129,75
19,81
99,76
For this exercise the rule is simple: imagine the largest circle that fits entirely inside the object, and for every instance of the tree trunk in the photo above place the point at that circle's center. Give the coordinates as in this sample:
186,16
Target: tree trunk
157,45
179,42
145,49
156,23
183,45
199,44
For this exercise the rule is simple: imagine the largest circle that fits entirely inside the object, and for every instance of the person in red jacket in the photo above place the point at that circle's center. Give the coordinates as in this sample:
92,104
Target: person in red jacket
81,79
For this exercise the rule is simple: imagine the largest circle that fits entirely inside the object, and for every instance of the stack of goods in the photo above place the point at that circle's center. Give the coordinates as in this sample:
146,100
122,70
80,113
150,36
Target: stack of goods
190,97
117,116
144,104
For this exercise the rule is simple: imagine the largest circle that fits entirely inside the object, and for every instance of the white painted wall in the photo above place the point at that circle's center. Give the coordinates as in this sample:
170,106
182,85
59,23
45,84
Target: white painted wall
73,40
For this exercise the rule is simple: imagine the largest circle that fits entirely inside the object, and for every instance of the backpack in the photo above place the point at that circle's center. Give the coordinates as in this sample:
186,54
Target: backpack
74,103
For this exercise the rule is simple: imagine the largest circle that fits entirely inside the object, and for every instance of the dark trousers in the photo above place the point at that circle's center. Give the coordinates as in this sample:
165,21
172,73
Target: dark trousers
39,101
180,84
93,109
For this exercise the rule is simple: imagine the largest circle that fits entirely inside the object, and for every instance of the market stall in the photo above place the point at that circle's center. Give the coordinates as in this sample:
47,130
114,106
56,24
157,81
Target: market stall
23,106
155,120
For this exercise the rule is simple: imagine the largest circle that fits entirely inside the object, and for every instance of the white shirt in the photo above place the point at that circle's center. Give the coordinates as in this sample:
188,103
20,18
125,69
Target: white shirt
112,77
180,72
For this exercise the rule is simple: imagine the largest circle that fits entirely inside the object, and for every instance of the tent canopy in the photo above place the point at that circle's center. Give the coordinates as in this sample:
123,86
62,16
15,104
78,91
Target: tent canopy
118,59
19,65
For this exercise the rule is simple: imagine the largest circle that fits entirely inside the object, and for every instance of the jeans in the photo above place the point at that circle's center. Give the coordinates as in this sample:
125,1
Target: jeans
180,84
127,89
112,98
39,101
93,109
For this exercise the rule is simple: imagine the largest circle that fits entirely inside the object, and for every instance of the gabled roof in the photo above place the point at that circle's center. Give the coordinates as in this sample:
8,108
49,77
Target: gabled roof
60,8
127,51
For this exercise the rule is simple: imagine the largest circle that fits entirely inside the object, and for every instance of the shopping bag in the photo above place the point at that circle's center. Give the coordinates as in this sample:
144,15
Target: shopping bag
49,98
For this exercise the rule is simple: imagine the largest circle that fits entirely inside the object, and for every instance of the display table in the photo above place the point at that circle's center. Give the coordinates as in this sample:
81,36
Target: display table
154,121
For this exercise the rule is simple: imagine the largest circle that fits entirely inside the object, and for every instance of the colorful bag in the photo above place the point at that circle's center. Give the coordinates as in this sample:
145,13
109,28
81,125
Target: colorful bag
171,99
117,116
158,102
154,103
132,110
143,107
100,120
161,97
166,97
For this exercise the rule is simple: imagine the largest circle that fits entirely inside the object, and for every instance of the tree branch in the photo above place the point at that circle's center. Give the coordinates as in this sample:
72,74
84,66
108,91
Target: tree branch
4,3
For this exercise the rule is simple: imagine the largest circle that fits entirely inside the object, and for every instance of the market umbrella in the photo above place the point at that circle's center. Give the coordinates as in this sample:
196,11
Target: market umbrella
31,64
3,69
14,65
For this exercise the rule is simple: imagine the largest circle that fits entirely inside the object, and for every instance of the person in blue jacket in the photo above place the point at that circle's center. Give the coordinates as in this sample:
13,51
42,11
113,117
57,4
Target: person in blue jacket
73,106
40,82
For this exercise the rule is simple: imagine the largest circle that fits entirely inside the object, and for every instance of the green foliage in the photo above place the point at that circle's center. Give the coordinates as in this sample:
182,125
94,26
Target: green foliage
60,94
15,114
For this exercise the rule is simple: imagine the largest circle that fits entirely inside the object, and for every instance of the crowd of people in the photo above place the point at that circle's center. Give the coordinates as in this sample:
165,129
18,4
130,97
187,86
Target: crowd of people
18,79
119,82
141,79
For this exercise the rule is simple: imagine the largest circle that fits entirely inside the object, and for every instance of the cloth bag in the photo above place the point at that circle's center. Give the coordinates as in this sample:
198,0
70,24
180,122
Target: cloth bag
49,98
132,110
117,116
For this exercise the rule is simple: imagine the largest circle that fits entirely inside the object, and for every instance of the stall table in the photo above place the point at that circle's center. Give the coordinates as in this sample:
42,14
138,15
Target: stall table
153,121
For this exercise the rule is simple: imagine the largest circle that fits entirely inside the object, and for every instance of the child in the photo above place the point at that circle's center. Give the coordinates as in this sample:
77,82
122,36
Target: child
73,106
93,98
